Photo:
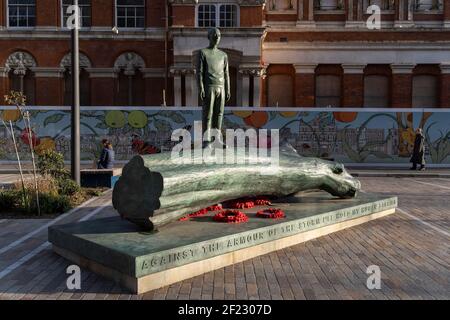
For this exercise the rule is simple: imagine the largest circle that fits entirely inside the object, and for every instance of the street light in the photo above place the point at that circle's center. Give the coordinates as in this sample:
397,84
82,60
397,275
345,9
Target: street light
75,115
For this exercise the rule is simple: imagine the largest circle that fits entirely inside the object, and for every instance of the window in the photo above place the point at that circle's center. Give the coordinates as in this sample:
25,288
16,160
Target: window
227,15
425,91
427,5
280,90
233,83
85,8
206,15
23,83
130,89
130,13
21,78
85,85
383,4
376,91
85,88
21,13
328,5
328,91
130,81
217,15
280,5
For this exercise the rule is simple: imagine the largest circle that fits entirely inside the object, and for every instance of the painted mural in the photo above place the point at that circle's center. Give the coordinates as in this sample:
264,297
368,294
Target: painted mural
357,136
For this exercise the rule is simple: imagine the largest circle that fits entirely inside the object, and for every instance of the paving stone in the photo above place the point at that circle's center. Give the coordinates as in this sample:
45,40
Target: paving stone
413,258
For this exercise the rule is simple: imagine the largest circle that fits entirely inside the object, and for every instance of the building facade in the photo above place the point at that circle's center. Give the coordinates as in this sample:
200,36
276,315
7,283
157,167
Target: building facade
285,53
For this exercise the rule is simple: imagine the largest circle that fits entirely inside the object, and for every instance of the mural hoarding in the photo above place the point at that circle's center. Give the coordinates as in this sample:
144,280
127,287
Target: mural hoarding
351,136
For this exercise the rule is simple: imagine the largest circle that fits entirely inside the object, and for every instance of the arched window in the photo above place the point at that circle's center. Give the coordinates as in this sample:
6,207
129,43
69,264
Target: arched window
328,91
85,83
20,75
376,91
280,89
425,91
131,83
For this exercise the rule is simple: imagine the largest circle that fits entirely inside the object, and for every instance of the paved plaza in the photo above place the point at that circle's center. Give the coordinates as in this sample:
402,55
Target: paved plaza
411,247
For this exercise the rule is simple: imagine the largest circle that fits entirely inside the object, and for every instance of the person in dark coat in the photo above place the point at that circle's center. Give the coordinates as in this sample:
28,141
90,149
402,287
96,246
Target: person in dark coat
107,156
418,156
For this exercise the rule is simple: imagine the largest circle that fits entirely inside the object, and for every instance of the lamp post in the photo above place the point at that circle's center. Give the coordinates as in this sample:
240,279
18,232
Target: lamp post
75,118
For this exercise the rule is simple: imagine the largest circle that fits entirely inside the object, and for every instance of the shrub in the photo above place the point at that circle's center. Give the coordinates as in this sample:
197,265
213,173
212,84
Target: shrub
68,187
52,163
9,199
46,184
15,200
94,192
51,203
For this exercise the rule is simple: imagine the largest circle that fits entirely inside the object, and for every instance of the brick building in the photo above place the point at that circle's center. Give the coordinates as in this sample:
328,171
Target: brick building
285,53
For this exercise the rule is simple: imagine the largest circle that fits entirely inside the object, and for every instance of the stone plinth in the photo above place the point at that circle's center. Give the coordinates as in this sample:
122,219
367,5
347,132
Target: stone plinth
142,262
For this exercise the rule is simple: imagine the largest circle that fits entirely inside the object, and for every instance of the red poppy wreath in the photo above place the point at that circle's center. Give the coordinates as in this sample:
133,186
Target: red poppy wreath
231,216
271,214
199,213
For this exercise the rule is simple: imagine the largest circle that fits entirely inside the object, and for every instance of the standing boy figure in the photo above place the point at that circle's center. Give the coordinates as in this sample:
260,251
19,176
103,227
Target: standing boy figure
214,84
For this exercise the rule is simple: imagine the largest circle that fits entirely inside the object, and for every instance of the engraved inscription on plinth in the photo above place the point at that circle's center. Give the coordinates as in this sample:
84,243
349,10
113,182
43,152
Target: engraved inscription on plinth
204,250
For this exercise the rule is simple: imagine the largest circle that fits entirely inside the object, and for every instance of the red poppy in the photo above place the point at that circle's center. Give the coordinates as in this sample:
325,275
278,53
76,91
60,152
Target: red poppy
25,137
263,202
149,149
216,207
241,204
271,214
136,145
199,213
142,148
231,216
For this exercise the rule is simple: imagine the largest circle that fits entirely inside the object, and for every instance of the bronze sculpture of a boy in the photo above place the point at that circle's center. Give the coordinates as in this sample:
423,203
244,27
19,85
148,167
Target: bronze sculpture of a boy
214,84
